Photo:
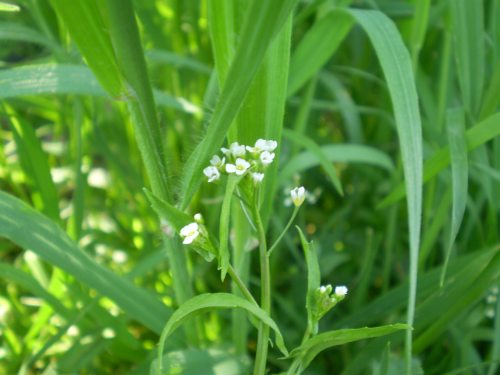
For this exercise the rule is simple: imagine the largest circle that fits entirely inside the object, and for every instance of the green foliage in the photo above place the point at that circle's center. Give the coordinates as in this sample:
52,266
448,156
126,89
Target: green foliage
386,112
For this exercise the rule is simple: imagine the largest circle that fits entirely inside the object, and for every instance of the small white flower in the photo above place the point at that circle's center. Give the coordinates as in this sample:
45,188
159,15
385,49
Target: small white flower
198,218
340,291
189,233
257,177
239,167
298,195
263,145
225,151
237,150
217,162
212,173
267,157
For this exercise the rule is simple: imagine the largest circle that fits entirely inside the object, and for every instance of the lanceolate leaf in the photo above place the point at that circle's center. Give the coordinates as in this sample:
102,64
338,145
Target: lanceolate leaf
49,241
315,345
209,302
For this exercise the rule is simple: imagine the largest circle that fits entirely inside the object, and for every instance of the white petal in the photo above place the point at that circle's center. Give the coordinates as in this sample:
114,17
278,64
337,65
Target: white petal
230,168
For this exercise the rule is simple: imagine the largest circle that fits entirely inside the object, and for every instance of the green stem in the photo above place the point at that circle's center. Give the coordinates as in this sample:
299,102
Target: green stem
241,285
265,280
292,218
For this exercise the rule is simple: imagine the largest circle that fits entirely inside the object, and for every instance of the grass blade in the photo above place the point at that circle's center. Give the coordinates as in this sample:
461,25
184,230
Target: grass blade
476,136
396,64
315,150
455,124
316,47
48,241
262,24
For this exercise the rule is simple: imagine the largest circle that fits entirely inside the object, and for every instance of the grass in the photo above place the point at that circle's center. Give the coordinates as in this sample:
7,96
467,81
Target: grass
110,111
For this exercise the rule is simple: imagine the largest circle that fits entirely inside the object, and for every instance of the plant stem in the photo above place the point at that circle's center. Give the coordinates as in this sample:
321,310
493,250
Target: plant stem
241,285
265,280
292,218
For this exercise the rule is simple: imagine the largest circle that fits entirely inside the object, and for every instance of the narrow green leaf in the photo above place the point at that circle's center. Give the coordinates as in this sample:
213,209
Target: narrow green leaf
315,345
315,150
47,240
313,279
175,217
262,24
418,30
468,32
348,109
14,31
340,153
396,64
455,123
316,47
476,136
171,58
35,165
232,182
84,22
204,302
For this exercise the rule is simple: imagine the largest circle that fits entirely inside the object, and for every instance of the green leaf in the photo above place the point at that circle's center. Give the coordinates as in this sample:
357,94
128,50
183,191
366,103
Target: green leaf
340,153
209,302
315,345
396,64
455,123
476,136
232,182
14,31
175,217
47,240
468,33
263,22
313,280
316,47
35,165
302,140
84,22
171,58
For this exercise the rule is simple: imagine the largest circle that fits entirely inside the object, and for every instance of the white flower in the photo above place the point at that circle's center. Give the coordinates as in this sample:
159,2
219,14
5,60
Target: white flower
189,233
340,291
225,151
198,218
217,162
298,195
263,145
239,167
257,177
266,157
212,173
237,150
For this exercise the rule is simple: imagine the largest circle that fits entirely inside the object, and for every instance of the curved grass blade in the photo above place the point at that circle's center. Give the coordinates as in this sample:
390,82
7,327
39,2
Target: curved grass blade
263,22
341,153
224,225
396,64
455,124
315,150
476,136
48,241
171,58
210,302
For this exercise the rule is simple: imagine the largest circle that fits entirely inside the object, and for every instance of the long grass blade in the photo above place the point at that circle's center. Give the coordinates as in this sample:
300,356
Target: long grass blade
53,245
396,64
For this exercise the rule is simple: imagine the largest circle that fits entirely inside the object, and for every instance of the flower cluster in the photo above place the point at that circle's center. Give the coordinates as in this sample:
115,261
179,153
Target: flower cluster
241,160
324,300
